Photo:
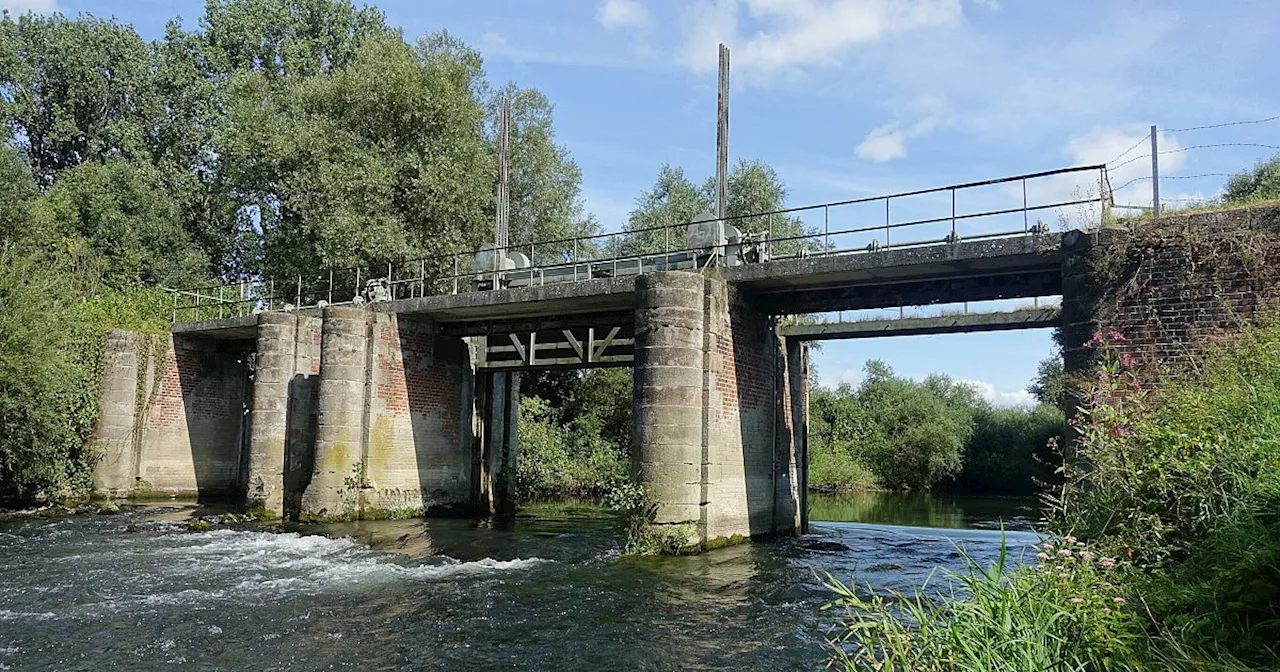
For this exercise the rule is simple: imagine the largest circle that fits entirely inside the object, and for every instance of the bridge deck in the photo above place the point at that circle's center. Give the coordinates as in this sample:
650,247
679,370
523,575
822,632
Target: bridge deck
1013,267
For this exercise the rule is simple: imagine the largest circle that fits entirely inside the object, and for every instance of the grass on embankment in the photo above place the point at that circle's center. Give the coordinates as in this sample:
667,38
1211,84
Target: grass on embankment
1174,493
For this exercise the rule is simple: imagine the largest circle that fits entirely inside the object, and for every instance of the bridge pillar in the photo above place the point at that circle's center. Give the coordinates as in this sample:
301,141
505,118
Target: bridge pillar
337,476
670,412
269,412
115,435
500,413
282,437
714,438
394,425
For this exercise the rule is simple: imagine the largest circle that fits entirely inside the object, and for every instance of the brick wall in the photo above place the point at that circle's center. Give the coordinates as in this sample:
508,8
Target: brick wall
419,453
192,424
742,407
1172,285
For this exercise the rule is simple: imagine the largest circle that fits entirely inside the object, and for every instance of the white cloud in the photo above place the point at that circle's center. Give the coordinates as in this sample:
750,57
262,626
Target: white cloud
17,7
997,398
795,34
889,142
618,14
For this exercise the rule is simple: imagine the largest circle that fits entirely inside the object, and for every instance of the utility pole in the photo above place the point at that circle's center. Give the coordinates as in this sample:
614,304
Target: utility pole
501,231
1155,172
722,138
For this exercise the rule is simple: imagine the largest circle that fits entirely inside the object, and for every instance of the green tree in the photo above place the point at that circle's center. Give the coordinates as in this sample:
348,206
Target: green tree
1261,183
73,91
117,216
545,184
1050,383
674,201
379,161
921,435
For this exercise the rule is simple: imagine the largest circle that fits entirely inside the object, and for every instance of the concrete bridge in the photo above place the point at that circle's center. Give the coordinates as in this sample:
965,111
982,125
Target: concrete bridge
408,407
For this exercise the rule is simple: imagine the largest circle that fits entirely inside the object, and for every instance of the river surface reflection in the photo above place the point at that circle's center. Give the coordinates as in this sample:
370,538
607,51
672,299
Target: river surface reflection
545,590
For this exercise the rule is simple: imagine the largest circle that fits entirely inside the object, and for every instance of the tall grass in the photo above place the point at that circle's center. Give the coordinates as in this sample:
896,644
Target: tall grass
1174,485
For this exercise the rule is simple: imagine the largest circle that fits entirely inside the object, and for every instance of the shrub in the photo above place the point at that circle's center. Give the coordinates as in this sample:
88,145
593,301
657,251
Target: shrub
1009,451
47,404
838,472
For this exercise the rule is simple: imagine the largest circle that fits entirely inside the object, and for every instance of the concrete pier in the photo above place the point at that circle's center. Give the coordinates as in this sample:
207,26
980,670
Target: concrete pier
338,475
115,436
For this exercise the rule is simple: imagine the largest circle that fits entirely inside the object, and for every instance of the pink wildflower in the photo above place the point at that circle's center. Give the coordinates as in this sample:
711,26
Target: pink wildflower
1070,540
1064,575
1086,556
1107,563
1077,600
1066,552
1042,556
1118,600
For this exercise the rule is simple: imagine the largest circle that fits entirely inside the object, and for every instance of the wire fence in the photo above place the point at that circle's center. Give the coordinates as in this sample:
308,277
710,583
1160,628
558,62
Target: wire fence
989,209
1116,167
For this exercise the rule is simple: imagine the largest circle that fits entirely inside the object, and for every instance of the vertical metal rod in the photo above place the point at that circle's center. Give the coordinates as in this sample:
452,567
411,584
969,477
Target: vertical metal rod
455,273
826,228
1025,224
575,259
1155,172
331,285
271,293
357,283
175,307
886,221
953,212
298,302
722,137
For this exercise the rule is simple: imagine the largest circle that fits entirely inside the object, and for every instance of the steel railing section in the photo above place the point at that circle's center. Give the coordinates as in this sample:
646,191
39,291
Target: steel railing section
606,254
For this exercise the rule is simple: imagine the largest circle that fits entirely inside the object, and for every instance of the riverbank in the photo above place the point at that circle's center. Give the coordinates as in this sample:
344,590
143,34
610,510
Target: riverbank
1169,556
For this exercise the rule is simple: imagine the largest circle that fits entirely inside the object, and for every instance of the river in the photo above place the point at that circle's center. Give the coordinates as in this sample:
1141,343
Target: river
545,591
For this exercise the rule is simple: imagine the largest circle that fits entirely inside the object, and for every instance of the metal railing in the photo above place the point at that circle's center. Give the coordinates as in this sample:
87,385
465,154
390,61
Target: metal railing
653,248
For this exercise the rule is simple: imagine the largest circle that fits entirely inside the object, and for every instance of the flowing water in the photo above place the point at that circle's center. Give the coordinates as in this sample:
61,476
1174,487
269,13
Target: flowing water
545,591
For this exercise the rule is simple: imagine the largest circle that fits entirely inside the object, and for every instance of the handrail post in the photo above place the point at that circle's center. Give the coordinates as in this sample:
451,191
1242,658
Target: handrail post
1026,226
887,225
175,307
298,298
826,229
455,272
330,284
953,213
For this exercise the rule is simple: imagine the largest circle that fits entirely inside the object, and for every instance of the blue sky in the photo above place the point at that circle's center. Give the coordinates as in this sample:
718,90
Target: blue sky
855,98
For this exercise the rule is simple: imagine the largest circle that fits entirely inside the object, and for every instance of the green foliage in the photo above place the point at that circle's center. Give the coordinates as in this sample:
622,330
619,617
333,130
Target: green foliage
571,457
1183,476
1009,450
1260,184
1067,613
674,201
47,404
1174,485
904,434
836,471
915,432
121,212
1050,383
